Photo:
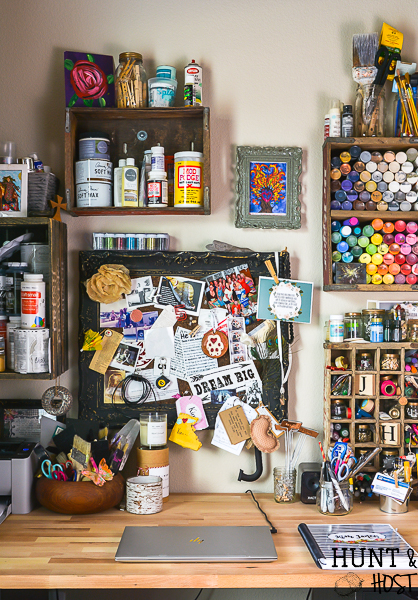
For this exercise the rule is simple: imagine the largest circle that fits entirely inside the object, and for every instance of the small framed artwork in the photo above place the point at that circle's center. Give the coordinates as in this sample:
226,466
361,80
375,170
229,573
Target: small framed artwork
350,273
268,187
89,80
13,190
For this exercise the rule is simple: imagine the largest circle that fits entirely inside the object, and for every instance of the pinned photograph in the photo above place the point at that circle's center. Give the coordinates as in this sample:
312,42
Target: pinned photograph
142,293
129,357
112,379
233,289
134,332
180,292
113,315
219,396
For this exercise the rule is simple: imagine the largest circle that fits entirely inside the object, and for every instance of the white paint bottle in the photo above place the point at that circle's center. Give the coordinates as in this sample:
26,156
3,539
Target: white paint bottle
32,295
130,183
117,183
335,119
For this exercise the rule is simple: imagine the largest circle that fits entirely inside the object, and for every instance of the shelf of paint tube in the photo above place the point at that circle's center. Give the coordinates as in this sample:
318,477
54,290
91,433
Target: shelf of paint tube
356,168
131,241
130,134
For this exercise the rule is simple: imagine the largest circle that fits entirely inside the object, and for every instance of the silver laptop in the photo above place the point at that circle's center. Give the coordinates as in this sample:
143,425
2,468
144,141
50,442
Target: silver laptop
196,544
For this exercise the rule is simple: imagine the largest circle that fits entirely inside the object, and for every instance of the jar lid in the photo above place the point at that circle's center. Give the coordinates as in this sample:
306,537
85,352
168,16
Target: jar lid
337,400
35,277
353,314
127,55
364,426
390,452
366,354
157,175
412,403
390,355
373,311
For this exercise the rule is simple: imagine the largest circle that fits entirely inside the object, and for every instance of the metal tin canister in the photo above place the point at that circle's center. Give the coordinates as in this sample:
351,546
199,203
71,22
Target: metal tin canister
188,179
36,255
31,350
94,146
93,193
93,170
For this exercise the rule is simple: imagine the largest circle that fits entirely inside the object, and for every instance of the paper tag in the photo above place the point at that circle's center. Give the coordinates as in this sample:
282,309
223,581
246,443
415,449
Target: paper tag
385,485
236,424
102,358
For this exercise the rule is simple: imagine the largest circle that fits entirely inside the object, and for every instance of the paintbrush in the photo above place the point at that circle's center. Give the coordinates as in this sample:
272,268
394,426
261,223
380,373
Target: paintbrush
365,46
80,454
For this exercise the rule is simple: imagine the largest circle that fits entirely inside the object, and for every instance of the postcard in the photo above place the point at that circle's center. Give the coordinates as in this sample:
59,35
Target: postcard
290,300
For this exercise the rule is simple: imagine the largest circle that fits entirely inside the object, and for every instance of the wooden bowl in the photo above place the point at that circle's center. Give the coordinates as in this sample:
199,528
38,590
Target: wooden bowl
79,497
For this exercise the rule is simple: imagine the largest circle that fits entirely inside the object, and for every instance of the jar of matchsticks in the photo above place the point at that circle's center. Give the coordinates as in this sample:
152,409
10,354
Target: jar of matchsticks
284,484
131,81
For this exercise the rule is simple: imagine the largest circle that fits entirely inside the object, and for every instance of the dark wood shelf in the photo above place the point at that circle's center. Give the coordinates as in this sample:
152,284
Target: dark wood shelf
120,211
173,128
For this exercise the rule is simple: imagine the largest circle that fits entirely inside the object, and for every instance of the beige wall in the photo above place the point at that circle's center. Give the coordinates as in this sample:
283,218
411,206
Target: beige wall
270,70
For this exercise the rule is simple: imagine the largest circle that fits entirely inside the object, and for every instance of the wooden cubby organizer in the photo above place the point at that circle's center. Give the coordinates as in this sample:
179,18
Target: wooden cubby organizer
53,233
382,403
173,128
334,146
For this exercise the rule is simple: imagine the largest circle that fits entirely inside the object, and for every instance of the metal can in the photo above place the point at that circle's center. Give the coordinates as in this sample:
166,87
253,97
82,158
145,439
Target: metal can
93,170
31,350
193,84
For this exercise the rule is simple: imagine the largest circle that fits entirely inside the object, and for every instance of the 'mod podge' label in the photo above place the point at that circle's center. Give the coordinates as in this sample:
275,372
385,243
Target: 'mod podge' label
188,188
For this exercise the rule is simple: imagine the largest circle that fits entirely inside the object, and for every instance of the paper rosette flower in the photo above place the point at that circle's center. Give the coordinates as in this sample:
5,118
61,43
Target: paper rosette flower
109,284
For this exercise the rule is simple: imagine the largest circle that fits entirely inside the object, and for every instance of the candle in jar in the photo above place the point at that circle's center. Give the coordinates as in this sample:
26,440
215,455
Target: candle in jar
153,429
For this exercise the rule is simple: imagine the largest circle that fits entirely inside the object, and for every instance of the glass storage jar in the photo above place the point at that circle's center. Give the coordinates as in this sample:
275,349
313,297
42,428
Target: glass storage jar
363,434
413,330
364,361
412,410
353,326
284,484
338,409
131,81
328,501
389,362
373,324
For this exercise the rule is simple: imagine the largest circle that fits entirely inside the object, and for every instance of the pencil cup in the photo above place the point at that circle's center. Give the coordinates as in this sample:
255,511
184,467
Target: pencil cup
390,506
284,484
328,501
144,495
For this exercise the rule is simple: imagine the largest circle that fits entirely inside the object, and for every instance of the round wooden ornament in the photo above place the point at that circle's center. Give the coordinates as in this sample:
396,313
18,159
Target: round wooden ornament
215,343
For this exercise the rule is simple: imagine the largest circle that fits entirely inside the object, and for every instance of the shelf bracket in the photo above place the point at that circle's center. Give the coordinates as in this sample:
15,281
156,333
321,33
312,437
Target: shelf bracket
206,118
67,121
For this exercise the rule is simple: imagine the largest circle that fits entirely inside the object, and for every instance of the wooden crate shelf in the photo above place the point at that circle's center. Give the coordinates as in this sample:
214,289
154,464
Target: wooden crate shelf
173,128
350,351
53,233
334,146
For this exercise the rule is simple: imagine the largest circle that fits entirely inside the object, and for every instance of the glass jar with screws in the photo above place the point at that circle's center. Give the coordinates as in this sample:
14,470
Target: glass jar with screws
413,331
364,361
363,434
389,362
284,484
338,409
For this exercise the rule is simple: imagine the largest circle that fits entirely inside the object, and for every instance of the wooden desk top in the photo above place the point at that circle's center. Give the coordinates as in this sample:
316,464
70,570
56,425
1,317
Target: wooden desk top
48,550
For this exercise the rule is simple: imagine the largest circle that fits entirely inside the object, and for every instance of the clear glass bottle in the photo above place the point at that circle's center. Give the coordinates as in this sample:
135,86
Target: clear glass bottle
284,484
364,361
131,81
367,124
353,326
328,501
363,434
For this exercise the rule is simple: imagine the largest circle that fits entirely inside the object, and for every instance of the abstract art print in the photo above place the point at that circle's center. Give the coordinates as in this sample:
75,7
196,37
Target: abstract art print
13,190
268,187
89,80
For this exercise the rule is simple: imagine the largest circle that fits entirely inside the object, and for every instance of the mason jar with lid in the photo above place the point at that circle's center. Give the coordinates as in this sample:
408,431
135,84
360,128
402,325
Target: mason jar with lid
353,326
411,410
363,434
373,324
413,330
364,361
338,409
389,362
131,81
387,454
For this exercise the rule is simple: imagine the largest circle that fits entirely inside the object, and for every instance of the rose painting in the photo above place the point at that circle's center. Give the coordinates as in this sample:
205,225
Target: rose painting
268,188
89,80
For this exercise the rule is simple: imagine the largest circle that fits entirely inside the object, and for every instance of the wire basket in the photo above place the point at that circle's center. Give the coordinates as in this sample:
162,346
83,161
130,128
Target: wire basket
42,188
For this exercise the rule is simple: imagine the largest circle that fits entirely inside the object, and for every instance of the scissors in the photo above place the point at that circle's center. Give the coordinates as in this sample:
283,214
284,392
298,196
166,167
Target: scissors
344,468
68,469
338,453
51,471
